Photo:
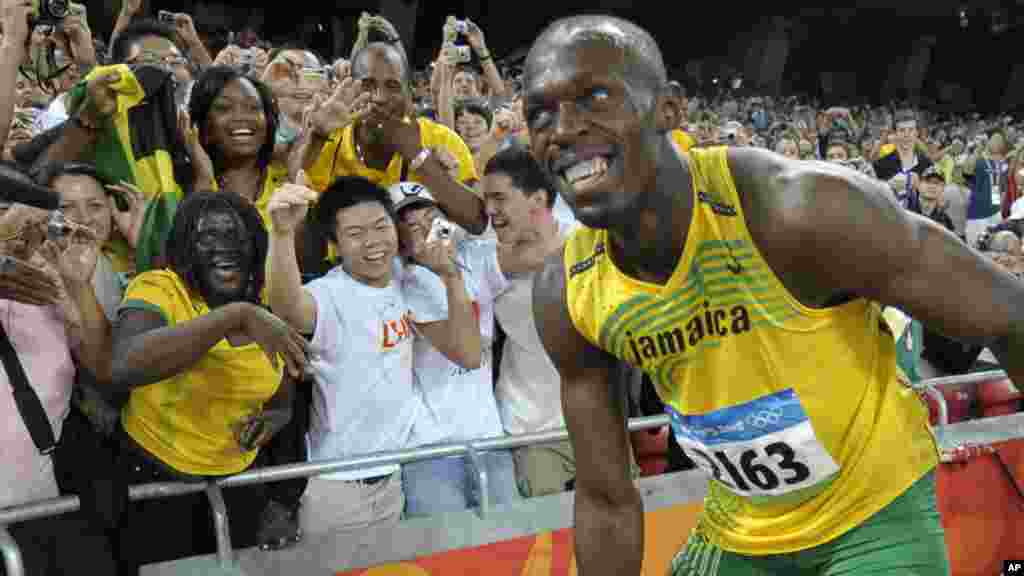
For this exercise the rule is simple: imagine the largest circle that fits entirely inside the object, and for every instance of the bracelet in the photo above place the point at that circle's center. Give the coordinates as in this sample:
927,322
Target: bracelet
420,158
486,58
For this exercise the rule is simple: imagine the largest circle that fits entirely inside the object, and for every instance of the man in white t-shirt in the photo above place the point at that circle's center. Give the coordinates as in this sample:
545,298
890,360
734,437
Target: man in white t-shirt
460,403
520,200
361,352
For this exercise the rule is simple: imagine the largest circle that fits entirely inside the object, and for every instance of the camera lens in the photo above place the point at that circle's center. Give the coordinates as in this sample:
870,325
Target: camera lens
57,9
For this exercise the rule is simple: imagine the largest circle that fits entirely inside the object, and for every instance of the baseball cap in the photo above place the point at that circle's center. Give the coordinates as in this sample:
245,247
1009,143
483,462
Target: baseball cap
406,194
731,129
932,172
1017,211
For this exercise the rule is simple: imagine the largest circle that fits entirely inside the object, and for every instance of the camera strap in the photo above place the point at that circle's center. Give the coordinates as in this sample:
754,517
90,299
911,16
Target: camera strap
25,397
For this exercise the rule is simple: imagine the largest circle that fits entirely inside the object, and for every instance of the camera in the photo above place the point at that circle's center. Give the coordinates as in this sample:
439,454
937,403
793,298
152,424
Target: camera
165,16
441,229
50,12
453,54
57,226
453,28
316,73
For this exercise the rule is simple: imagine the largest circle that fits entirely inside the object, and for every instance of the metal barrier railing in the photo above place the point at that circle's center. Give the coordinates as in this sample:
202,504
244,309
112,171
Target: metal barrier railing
471,451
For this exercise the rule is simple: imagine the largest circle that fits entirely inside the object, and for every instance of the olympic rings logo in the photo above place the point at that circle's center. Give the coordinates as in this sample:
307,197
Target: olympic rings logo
764,418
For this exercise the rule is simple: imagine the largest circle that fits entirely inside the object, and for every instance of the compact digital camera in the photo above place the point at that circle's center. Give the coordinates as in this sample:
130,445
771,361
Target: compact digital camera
49,12
441,229
453,54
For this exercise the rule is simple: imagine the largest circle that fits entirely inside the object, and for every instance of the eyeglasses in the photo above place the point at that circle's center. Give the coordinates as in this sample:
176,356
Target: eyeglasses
301,97
150,58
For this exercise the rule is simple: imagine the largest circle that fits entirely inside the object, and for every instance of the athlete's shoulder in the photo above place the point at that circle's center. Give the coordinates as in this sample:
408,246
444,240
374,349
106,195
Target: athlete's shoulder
772,187
582,245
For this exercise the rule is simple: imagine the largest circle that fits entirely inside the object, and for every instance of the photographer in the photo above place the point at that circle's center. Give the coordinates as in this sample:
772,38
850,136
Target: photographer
368,129
46,305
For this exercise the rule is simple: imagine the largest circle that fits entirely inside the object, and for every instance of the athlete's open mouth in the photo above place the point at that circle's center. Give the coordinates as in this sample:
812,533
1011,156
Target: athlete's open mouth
585,166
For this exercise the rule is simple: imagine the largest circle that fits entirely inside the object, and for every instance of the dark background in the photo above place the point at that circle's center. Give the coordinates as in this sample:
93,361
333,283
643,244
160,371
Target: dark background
860,37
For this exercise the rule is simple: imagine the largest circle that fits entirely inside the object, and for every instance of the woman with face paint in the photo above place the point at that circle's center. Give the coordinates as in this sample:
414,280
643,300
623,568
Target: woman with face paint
210,373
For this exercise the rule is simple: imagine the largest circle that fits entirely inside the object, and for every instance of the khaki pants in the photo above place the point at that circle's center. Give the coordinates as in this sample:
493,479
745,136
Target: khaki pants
332,505
543,470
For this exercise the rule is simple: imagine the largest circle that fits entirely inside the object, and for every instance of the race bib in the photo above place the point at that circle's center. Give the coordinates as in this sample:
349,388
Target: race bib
766,447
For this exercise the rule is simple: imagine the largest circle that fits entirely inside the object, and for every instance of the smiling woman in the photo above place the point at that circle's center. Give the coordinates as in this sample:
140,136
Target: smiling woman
237,118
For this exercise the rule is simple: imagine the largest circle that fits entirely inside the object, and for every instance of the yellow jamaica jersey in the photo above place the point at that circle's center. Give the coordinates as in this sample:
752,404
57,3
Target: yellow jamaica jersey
797,414
186,420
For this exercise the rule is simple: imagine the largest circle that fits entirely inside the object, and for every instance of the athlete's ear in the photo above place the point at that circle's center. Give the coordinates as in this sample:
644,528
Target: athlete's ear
668,109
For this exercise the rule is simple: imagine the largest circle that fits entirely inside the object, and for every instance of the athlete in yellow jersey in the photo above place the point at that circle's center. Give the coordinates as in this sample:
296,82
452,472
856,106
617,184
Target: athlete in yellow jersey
745,284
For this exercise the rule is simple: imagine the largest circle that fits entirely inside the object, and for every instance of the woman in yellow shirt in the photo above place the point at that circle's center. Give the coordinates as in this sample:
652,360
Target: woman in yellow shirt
237,122
203,360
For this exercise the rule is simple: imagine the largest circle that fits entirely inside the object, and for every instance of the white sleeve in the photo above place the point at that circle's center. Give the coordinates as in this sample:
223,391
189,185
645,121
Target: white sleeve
54,115
425,294
328,330
483,254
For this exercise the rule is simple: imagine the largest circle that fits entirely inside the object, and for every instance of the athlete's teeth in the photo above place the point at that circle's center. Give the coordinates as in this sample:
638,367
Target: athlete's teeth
585,169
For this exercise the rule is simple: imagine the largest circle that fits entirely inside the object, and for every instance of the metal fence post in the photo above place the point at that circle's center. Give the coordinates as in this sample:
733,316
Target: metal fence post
13,564
475,467
940,400
225,555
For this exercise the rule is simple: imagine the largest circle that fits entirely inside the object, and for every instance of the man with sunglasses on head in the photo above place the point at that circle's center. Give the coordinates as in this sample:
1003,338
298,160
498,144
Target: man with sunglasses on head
369,128
144,42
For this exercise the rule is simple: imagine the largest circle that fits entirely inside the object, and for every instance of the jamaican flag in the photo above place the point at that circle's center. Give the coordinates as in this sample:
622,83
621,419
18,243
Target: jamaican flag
141,145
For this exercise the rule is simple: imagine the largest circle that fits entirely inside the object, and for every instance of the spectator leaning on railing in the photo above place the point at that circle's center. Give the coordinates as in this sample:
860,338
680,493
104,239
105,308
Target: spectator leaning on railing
203,360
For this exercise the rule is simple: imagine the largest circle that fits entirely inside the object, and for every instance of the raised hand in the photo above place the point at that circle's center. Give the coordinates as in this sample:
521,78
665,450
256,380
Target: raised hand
26,283
185,27
23,230
451,165
438,256
229,56
342,69
475,36
73,256
79,37
202,166
101,97
341,109
504,120
130,221
131,7
382,24
290,204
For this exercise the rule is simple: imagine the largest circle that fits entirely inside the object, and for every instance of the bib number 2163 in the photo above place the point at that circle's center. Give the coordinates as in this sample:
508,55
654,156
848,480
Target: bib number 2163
768,469
766,447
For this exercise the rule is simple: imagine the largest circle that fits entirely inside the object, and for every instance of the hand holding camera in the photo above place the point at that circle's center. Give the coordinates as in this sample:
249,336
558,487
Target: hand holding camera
437,254
453,29
453,55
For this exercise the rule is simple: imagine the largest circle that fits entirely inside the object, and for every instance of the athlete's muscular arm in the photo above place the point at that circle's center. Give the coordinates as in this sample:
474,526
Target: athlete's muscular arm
831,231
609,512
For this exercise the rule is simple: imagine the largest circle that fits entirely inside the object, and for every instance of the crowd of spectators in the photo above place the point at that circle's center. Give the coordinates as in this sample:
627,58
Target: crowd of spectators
263,257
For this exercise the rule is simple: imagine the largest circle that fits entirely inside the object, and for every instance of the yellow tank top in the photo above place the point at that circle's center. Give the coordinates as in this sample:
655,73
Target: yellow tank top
797,413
